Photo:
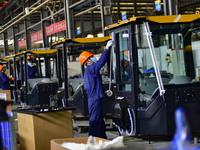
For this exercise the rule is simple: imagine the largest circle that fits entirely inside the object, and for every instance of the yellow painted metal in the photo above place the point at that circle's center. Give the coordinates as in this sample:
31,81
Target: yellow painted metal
111,26
9,56
50,51
4,59
174,18
39,52
159,19
61,41
91,40
84,40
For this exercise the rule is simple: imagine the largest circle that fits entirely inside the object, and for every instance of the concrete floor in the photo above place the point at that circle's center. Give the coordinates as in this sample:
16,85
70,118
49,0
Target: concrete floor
130,142
142,142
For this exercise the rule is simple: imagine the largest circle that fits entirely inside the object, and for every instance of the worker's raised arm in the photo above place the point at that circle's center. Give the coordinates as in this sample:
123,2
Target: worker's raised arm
103,58
109,44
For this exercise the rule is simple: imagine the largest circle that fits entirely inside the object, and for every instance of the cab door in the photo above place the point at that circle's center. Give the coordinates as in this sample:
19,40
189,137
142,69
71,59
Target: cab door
124,69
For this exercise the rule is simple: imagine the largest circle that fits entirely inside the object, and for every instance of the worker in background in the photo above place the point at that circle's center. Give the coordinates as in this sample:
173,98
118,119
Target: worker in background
32,70
4,79
94,90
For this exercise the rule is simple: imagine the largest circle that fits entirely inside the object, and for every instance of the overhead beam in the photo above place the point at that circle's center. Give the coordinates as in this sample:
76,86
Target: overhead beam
26,15
85,11
77,3
188,3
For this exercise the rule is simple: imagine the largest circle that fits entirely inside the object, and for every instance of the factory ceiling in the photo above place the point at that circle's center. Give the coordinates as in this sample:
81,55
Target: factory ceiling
132,7
14,9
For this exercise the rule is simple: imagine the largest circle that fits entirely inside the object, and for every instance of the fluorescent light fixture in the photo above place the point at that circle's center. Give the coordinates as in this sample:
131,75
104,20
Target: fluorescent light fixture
90,36
125,35
100,35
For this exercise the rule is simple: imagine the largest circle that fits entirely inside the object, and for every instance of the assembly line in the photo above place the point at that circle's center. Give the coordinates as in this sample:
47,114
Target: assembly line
137,82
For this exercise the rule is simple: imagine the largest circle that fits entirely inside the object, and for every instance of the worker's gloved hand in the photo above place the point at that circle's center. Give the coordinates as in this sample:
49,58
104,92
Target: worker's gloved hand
109,93
10,77
109,44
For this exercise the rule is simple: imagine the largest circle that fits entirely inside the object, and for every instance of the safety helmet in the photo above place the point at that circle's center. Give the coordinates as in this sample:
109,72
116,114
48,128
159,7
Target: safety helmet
1,67
84,56
30,57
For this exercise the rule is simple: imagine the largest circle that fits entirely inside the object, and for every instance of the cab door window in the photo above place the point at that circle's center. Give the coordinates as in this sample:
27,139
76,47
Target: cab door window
124,61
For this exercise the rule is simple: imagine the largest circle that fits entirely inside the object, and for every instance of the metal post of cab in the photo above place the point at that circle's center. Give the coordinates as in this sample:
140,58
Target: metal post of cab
26,78
65,73
59,66
15,77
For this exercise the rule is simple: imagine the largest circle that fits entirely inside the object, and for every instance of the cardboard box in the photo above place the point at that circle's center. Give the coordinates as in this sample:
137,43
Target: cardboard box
37,130
6,94
56,144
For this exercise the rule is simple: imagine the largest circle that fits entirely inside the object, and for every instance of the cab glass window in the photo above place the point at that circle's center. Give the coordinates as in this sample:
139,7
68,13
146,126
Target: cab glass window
177,54
124,60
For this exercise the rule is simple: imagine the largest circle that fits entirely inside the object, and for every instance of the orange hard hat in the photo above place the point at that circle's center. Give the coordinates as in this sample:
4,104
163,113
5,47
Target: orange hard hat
1,67
84,56
30,57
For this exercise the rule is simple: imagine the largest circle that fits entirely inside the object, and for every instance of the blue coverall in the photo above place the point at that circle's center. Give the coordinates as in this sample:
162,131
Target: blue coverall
94,90
31,72
4,81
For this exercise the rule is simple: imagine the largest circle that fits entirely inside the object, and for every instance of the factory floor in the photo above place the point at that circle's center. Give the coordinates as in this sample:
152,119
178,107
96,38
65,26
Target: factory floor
130,142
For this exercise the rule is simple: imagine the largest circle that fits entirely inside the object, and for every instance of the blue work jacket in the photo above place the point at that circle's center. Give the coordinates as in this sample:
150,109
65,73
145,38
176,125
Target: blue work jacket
4,81
93,79
31,72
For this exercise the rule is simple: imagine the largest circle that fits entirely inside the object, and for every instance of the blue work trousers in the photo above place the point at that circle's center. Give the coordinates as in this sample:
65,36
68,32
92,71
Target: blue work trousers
97,125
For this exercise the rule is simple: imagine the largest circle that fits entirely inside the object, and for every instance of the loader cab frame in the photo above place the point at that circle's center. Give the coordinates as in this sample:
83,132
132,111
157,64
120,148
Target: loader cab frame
153,76
44,60
73,47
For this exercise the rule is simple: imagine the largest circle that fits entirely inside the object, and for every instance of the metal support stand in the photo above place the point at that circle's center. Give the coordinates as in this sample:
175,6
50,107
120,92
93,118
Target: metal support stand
195,140
149,139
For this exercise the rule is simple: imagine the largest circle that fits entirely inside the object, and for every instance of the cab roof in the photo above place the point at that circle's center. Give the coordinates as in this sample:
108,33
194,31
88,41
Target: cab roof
158,19
84,40
39,52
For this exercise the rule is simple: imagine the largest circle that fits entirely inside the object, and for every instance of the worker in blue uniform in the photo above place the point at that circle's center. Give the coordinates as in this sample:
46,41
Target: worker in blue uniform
4,79
32,70
94,90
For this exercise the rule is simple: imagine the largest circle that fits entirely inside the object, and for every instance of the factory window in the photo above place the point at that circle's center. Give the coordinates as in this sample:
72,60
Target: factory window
124,60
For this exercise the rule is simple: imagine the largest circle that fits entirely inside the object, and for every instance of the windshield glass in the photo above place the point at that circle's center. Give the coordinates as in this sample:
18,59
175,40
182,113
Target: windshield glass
177,48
